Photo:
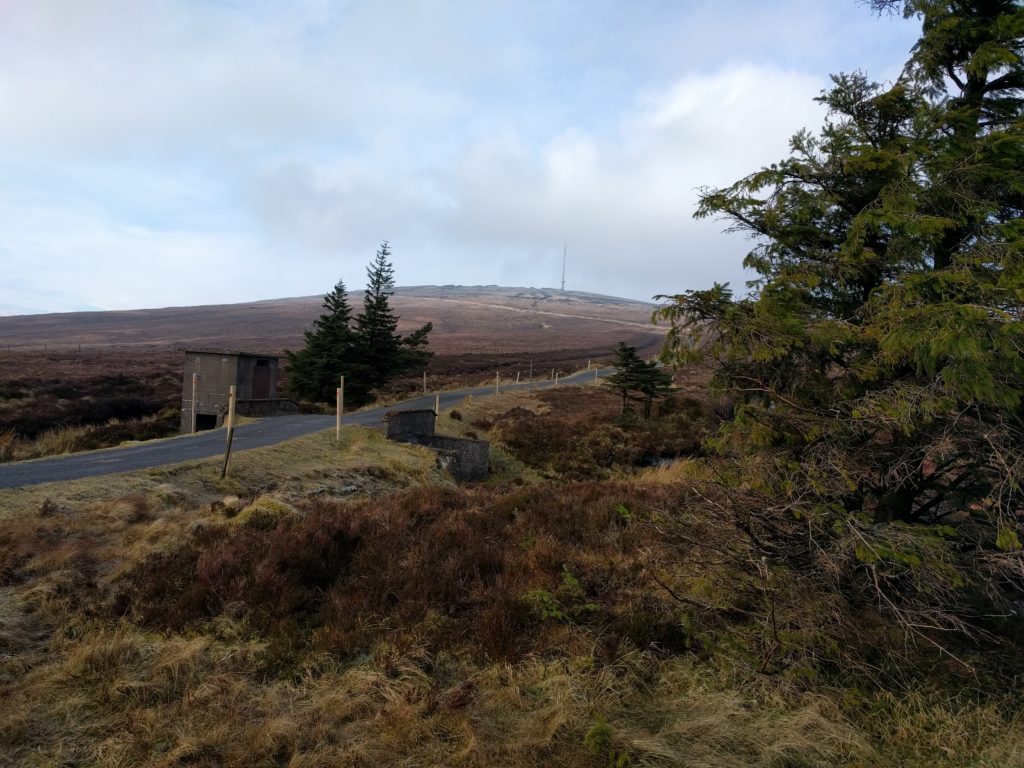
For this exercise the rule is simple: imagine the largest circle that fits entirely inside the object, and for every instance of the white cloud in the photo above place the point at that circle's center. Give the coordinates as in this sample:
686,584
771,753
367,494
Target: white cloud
625,202
141,141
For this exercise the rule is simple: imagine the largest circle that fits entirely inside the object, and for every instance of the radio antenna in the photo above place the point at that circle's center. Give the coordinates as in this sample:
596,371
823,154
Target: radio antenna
565,248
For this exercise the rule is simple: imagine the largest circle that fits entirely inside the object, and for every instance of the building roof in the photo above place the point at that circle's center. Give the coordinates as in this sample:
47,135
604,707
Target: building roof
230,353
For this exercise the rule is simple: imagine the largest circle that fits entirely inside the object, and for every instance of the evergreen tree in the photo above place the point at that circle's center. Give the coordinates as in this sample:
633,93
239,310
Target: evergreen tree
876,366
380,351
878,356
366,349
314,370
379,344
634,375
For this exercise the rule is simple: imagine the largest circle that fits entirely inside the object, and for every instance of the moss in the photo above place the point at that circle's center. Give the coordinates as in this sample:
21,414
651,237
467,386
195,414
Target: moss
265,513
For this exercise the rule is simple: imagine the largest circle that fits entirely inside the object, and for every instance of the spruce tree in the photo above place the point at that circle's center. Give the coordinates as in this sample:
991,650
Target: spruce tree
876,365
380,350
882,337
367,349
314,370
637,379
379,345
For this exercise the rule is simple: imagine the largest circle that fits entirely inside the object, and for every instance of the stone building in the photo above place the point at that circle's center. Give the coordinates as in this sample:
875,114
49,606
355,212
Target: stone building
254,377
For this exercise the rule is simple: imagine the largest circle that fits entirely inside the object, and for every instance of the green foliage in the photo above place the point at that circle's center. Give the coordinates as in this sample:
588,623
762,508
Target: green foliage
313,371
568,603
600,739
366,349
880,345
1007,540
875,365
637,379
624,513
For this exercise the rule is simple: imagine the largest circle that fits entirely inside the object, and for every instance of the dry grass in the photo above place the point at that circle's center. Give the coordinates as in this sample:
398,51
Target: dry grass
347,606
311,465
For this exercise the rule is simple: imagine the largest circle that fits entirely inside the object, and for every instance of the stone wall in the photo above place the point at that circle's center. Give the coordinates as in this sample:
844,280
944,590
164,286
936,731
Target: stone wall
466,460
408,426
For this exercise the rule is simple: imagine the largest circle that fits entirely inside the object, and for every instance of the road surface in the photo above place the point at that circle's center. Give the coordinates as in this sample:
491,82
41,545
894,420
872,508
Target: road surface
203,445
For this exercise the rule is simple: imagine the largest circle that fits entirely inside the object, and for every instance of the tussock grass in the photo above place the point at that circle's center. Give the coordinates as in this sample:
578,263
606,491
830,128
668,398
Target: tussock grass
348,606
310,465
57,441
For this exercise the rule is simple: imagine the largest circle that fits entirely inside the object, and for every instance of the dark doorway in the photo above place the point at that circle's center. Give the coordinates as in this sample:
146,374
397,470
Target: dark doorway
261,380
206,421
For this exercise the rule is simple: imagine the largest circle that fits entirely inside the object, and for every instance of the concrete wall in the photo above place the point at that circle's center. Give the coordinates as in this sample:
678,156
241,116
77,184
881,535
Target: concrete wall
407,426
218,371
467,460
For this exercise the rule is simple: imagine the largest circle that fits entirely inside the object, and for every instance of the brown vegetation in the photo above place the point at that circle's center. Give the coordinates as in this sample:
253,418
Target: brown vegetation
311,611
109,377
60,402
467,320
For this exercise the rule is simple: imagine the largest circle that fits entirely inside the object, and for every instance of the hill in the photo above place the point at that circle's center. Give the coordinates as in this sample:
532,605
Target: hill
467,319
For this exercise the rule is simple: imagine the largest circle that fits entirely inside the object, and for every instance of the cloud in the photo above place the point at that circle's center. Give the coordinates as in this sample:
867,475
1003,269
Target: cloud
623,202
150,140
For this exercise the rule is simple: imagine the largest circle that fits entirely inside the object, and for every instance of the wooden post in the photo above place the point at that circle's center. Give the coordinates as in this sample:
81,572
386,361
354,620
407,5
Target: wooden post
195,389
497,381
517,377
424,382
595,375
556,378
552,373
437,403
231,430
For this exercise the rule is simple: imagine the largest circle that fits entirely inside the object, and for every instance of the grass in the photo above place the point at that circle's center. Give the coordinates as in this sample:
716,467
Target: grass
348,605
312,465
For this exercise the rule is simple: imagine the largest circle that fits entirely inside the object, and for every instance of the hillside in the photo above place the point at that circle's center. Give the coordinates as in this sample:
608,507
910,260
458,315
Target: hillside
467,319
578,609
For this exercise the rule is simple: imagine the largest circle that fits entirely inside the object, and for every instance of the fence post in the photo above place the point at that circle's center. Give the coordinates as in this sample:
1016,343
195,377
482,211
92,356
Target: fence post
497,380
231,430
195,389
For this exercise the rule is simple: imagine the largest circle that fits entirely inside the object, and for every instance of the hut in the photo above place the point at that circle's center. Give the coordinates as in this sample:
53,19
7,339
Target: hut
254,377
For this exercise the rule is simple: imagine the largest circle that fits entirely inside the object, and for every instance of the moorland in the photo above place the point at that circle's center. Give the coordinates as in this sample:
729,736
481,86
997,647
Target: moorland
602,600
86,380
606,598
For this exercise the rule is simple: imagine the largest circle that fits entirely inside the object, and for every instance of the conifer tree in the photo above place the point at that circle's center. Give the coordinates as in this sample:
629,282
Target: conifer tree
367,349
635,375
876,366
381,352
313,371
879,351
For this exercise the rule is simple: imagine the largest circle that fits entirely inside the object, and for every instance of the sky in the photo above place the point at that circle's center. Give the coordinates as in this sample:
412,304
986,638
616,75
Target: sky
185,152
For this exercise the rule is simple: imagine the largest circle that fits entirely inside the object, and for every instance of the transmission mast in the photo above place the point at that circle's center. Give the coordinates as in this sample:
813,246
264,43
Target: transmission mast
565,248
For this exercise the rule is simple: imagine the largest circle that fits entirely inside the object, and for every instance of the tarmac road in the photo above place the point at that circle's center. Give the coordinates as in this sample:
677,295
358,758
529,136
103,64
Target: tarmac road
203,445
